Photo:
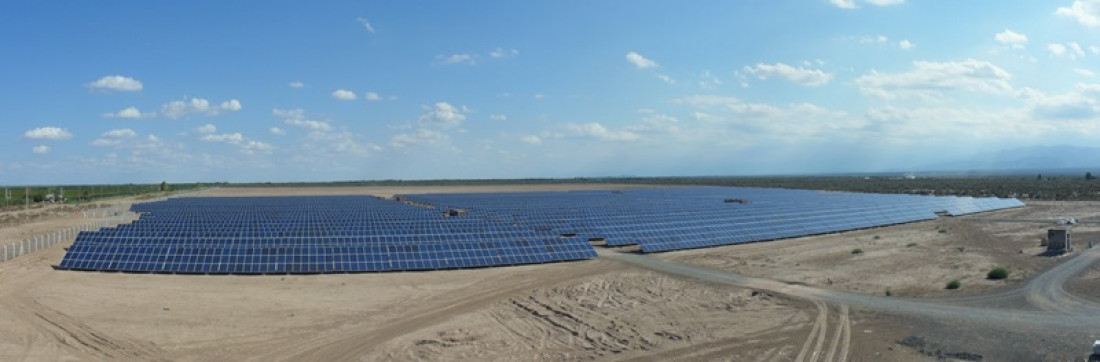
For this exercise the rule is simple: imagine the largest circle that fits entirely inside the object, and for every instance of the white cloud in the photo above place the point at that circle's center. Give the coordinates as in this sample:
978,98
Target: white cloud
188,107
1086,12
129,112
1011,39
277,131
1057,49
498,117
851,4
1095,50
885,2
41,149
422,136
227,137
455,59
114,137
905,44
499,53
709,81
116,83
296,84
930,79
297,118
1085,72
48,133
1071,51
372,96
244,144
844,4
665,78
445,114
640,61
798,75
597,131
208,128
343,94
873,39
531,139
232,105
366,25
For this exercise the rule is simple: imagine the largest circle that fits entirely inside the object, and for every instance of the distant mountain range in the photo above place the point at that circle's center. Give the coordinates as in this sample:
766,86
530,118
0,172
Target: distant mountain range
1053,160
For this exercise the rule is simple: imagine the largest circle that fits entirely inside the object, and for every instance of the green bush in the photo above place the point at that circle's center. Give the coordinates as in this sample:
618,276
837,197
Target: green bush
889,292
910,245
997,273
857,251
954,284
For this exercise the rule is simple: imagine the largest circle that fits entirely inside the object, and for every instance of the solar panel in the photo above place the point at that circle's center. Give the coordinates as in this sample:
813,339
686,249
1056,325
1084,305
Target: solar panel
258,235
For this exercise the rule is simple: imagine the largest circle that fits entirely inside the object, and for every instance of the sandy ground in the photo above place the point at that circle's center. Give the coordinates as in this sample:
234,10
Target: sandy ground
590,310
912,260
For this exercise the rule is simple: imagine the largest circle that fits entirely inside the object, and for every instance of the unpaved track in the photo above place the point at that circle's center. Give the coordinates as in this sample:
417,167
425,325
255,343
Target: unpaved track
1059,309
341,345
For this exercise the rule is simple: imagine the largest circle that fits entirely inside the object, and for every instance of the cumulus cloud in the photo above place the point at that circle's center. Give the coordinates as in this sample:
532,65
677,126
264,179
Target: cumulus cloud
905,44
48,133
851,4
231,105
597,131
1071,51
131,113
1011,39
930,79
422,136
296,84
640,61
207,128
366,24
885,2
455,59
116,83
1086,12
114,137
297,118
344,95
798,75
243,144
277,131
193,106
372,96
844,4
41,149
531,139
499,53
445,114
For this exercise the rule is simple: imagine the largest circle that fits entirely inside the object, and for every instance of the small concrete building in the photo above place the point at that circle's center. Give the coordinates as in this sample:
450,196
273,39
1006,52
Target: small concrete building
1058,241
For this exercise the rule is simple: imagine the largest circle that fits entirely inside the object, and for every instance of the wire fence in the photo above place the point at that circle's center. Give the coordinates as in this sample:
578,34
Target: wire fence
112,217
100,218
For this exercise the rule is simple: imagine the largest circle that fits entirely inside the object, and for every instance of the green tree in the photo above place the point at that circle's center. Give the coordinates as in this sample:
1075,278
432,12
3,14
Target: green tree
164,186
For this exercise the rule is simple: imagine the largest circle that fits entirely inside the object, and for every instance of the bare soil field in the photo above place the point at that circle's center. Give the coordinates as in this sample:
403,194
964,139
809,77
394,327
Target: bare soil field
912,260
590,310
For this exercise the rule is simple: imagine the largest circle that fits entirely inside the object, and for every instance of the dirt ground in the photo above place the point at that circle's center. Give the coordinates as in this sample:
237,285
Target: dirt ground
590,310
912,260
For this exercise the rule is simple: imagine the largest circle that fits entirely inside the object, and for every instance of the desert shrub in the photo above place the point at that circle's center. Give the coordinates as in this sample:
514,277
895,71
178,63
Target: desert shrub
857,251
954,284
997,273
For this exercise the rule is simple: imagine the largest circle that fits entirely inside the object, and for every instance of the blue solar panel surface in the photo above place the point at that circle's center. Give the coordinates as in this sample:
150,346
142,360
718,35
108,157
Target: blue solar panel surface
276,235
663,219
261,235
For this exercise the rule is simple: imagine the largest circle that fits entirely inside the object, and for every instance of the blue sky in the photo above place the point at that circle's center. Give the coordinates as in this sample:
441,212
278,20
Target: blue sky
133,91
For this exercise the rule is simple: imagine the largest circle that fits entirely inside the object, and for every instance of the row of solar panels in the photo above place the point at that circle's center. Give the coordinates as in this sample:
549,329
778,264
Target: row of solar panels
309,235
692,217
349,234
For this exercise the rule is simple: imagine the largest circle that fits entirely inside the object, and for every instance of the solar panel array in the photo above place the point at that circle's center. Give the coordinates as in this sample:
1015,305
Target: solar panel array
262,235
665,219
